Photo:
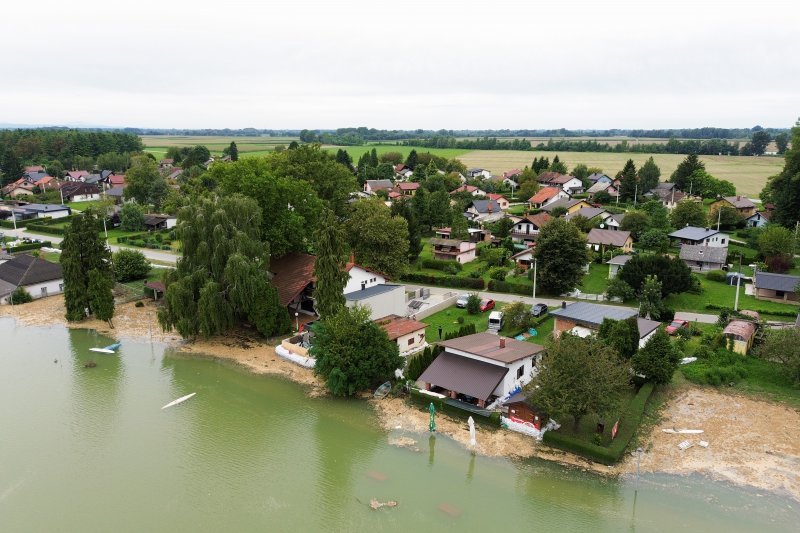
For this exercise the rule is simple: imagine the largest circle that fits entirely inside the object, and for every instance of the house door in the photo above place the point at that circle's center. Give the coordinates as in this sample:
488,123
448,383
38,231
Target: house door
44,292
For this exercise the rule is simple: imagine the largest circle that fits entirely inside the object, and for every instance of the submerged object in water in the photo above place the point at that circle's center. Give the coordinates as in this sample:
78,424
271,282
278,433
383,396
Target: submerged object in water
111,348
179,400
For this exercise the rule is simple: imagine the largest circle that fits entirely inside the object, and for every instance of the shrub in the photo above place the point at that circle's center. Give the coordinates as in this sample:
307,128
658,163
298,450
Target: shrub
20,296
130,265
716,275
494,256
473,304
438,264
139,304
620,289
667,315
498,273
460,320
445,281
30,246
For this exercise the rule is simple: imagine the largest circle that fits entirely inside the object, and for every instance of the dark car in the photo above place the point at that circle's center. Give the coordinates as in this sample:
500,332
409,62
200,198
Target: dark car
539,310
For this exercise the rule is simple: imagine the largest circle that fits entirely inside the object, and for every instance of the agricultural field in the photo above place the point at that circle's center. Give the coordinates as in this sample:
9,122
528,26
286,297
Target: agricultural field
357,151
748,174
248,146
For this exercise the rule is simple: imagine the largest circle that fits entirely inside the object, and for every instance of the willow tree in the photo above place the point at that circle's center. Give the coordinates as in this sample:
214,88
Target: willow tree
329,267
222,278
83,251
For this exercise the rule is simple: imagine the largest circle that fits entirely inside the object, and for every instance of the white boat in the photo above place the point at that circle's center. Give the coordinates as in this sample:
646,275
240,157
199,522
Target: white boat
683,431
179,400
111,348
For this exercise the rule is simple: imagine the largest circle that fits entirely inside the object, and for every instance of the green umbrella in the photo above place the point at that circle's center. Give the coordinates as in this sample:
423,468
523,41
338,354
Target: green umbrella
432,425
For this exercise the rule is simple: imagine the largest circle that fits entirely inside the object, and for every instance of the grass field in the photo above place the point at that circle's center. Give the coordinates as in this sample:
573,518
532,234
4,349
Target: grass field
748,174
248,146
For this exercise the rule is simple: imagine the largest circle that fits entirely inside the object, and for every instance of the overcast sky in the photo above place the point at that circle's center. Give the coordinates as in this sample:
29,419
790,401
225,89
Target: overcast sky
402,64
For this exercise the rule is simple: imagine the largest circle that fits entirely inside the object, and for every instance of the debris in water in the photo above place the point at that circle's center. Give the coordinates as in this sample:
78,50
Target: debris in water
377,476
375,504
450,510
89,364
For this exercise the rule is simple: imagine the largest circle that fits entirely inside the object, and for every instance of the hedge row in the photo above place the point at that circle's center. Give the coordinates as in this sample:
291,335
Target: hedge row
513,288
438,264
445,281
44,228
715,307
628,424
30,246
442,407
10,224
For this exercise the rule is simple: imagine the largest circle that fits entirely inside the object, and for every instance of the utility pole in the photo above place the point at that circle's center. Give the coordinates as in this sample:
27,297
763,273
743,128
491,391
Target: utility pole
738,282
534,278
635,194
719,216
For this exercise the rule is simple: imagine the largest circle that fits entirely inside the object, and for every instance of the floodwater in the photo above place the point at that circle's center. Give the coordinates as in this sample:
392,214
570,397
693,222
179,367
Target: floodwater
90,449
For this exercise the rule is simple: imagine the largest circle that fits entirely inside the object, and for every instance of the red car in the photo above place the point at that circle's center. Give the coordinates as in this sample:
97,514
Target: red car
487,305
673,328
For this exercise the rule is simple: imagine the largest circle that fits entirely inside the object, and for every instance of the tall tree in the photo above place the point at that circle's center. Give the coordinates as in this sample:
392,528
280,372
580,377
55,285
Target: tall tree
440,212
622,335
759,142
658,213
658,359
783,345
558,166
459,229
330,265
785,187
579,377
650,304
233,151
82,251
637,222
561,254
352,352
672,272
131,217
685,169
11,167
145,184
628,184
197,156
403,208
378,239
411,160
581,172
101,296
649,173
688,213
222,277
776,244
782,142
344,159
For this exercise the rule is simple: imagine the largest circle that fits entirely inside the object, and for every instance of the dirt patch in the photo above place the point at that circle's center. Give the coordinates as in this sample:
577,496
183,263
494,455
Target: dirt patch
751,442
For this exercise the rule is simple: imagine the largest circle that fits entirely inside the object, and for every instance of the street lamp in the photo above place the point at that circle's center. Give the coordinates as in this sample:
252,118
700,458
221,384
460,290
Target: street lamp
297,321
534,278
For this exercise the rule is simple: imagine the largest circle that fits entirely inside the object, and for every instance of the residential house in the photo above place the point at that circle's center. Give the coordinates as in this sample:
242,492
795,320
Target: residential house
758,220
80,192
598,177
166,163
568,183
157,222
602,186
453,250
30,211
740,333
584,319
595,214
18,188
600,239
527,229
484,211
472,189
695,235
546,196
614,221
407,333
616,263
115,180
524,259
475,234
476,369
382,299
567,203
669,197
37,277
175,174
501,200
480,173
33,177
117,194
512,174
702,257
776,287
405,174
407,188
743,206
373,186
77,175
34,168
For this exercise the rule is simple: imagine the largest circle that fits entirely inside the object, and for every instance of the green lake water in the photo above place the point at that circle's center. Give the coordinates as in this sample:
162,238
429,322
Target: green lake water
92,450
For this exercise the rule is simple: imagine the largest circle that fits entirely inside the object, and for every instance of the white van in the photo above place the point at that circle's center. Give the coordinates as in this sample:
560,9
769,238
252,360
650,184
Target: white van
495,321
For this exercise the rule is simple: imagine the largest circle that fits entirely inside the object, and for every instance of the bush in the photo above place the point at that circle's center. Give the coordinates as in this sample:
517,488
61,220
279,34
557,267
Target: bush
20,296
619,289
473,304
494,257
498,273
418,363
512,288
460,320
445,281
139,304
130,265
438,264
667,315
716,275
463,331
30,246
628,424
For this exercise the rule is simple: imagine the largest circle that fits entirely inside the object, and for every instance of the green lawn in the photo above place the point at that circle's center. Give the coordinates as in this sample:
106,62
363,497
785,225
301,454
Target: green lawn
517,210
596,281
448,320
83,206
724,295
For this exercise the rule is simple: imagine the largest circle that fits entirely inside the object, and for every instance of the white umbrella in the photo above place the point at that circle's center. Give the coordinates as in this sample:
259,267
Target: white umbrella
471,423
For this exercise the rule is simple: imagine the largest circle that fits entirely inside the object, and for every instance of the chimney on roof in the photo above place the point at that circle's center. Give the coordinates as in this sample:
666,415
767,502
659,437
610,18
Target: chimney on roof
563,305
502,342
738,197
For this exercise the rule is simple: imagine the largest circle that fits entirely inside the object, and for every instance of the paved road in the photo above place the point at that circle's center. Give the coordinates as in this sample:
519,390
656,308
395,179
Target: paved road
556,302
153,255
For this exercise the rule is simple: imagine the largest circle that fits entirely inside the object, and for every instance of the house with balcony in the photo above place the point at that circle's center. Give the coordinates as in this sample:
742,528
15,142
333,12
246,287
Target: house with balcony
699,236
527,229
453,250
546,196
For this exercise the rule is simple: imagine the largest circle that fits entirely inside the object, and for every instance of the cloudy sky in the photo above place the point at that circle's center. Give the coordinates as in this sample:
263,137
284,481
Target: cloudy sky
404,64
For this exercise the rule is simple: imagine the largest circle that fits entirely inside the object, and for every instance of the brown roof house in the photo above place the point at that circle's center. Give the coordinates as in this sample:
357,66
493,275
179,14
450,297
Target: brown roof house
527,228
453,250
600,239
476,369
407,333
546,196
744,206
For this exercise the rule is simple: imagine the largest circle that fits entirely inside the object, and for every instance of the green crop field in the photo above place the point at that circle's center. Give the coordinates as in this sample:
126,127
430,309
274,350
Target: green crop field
248,146
357,151
748,174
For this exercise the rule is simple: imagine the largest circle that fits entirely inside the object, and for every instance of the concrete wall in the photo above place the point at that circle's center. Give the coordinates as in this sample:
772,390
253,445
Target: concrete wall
435,308
388,303
35,290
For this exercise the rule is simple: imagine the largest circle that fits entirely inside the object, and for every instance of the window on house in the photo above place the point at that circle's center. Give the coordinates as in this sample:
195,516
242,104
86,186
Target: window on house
520,371
722,241
779,294
44,291
411,341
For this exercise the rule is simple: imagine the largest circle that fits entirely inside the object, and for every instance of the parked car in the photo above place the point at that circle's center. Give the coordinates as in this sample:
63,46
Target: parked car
539,310
495,320
487,305
462,301
673,328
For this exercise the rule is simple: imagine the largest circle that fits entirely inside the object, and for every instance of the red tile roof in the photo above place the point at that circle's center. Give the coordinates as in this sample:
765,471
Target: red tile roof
544,194
397,326
291,275
116,179
493,196
408,186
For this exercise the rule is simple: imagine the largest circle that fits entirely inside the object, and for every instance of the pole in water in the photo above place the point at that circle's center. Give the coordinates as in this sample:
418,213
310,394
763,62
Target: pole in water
432,423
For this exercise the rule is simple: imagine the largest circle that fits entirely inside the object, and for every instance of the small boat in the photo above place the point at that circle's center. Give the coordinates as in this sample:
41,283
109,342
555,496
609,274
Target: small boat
111,348
179,400
382,391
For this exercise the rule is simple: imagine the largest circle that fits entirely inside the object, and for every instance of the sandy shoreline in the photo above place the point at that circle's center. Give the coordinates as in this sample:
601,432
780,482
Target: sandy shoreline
751,442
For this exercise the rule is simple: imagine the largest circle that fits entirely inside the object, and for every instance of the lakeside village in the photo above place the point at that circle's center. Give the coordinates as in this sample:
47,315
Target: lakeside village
548,301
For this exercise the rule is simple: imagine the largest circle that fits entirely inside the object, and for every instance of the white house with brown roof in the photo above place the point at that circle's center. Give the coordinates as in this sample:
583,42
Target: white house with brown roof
546,196
453,250
599,239
472,189
407,333
475,369
528,228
